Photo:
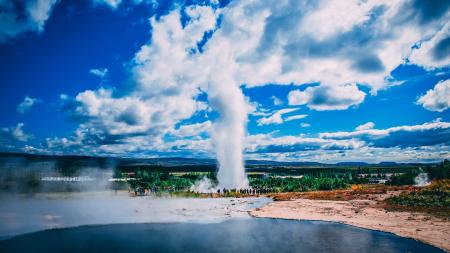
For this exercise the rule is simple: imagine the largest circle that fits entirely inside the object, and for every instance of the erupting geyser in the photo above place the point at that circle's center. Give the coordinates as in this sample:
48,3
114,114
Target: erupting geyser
228,136
229,129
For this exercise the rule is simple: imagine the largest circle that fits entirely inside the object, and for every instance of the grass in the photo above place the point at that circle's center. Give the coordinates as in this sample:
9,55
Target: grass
365,191
434,198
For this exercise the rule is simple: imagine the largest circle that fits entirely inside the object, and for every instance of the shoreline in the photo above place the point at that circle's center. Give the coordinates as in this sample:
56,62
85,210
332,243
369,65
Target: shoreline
362,213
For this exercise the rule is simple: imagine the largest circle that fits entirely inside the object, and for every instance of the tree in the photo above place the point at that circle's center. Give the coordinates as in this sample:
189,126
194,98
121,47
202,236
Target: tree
441,171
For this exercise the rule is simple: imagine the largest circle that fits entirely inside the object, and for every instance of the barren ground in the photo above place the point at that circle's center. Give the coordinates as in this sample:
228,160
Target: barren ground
362,208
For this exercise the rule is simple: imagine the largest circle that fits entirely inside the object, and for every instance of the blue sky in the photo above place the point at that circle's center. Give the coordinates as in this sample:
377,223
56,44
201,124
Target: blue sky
308,81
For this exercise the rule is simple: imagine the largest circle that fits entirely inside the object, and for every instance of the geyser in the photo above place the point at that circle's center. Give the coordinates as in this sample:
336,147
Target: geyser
229,129
174,67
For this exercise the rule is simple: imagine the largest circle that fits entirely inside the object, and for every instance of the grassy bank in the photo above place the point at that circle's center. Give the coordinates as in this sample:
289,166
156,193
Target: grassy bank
434,198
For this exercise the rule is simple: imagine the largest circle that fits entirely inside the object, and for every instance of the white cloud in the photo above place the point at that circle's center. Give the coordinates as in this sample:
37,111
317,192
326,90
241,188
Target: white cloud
166,91
341,51
256,109
427,134
27,103
433,52
276,100
32,18
428,142
366,126
276,117
295,117
131,114
363,154
39,11
102,73
281,46
111,3
327,97
305,124
192,130
438,98
11,134
267,143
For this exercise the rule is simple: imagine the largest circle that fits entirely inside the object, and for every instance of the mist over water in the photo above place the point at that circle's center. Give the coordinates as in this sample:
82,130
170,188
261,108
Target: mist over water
22,214
48,174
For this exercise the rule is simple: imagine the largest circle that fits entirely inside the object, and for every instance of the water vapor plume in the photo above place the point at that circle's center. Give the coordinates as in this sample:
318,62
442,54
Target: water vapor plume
422,179
204,185
229,129
173,68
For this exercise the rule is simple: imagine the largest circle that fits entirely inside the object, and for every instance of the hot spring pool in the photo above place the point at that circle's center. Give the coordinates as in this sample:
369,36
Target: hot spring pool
234,235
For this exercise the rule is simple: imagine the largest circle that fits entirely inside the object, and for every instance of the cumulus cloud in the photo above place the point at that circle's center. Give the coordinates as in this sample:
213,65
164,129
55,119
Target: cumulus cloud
13,134
280,42
267,143
438,98
193,129
276,100
433,52
165,94
303,42
110,119
323,98
364,154
26,104
427,134
18,18
276,117
366,126
428,142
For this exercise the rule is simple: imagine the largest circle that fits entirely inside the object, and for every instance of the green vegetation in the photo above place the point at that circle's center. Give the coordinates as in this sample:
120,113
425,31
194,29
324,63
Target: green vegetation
435,197
441,171
435,172
307,183
311,180
178,178
164,181
403,179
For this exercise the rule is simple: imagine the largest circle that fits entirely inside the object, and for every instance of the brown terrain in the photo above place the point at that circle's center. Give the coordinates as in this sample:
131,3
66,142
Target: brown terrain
362,207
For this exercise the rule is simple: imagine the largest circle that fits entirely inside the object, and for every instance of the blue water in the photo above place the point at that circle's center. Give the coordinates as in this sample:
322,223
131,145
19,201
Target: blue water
234,235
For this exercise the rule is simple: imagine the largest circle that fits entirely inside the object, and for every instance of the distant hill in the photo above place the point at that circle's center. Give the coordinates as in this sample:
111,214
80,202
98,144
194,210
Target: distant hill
108,162
353,164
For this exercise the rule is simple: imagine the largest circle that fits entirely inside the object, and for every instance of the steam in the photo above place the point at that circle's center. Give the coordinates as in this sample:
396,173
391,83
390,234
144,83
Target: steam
204,185
229,129
422,179
20,175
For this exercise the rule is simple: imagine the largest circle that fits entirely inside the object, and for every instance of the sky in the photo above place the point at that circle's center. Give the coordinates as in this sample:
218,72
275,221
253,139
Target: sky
326,81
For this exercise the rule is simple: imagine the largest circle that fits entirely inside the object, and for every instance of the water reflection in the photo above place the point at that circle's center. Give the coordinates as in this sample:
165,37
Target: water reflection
235,235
